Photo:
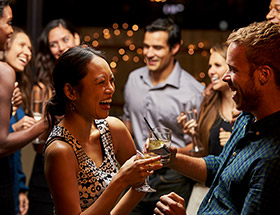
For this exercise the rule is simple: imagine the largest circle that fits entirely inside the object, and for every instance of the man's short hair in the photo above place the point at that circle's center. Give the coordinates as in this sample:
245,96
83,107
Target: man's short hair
168,25
262,42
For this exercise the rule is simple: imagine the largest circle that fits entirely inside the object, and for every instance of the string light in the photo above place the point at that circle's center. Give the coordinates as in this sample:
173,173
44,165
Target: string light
87,38
121,51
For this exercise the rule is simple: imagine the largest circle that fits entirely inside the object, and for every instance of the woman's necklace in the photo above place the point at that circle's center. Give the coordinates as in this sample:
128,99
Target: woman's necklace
223,117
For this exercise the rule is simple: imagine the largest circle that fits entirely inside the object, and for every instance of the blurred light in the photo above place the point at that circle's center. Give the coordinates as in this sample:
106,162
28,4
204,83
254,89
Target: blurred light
131,47
125,57
115,25
136,59
200,45
223,25
204,53
117,32
191,46
172,9
106,31
139,51
107,36
113,64
86,38
135,27
191,51
129,33
128,42
95,35
121,51
125,25
95,43
202,75
115,58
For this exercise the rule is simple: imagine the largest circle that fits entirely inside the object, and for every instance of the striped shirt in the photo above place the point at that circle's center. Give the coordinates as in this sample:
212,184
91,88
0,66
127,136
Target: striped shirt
242,177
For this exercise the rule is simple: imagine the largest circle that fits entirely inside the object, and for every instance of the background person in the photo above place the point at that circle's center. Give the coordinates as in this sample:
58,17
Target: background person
56,38
274,12
159,91
9,142
242,176
18,55
215,117
85,147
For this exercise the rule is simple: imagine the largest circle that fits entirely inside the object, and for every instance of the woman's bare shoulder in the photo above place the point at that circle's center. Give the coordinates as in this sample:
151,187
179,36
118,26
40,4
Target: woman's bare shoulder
59,148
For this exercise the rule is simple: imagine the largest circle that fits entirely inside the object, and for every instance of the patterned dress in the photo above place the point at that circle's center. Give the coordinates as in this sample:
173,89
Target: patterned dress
92,180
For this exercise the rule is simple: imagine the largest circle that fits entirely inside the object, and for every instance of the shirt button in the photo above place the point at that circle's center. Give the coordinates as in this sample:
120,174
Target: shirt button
234,154
209,200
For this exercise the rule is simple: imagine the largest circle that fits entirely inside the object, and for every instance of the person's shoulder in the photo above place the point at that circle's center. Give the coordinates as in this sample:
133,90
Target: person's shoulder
7,76
58,148
114,122
6,69
186,77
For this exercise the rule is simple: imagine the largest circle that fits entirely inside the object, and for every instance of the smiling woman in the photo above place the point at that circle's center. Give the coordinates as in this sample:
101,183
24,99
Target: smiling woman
18,55
84,149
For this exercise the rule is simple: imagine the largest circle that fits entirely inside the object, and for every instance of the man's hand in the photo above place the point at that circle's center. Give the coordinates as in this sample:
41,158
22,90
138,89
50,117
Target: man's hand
23,123
170,204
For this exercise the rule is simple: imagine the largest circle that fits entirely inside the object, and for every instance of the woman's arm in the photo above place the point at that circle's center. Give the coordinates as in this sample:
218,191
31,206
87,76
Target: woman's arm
125,148
14,141
61,169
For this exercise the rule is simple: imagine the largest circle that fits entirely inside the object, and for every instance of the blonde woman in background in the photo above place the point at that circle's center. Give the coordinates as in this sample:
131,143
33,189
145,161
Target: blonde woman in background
215,118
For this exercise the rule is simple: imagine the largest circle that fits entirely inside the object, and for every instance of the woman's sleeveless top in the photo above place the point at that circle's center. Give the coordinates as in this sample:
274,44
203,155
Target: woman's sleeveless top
92,180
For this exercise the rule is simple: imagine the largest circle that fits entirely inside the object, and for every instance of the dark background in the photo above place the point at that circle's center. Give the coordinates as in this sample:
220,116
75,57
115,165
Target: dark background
197,14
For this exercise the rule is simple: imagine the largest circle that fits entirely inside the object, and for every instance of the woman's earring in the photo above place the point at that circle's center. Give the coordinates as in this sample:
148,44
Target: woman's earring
72,106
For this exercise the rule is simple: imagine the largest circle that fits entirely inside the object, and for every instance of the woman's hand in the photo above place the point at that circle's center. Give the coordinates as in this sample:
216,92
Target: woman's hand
187,126
135,171
224,136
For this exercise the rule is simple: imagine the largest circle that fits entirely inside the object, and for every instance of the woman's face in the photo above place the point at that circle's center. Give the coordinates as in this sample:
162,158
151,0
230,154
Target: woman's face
60,40
217,68
18,53
96,90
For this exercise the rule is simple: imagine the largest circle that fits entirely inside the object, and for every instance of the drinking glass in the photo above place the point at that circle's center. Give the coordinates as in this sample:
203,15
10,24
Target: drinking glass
145,187
198,149
160,142
37,104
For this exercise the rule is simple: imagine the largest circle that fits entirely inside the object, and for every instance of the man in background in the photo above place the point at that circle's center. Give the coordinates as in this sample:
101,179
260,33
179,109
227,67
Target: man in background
160,91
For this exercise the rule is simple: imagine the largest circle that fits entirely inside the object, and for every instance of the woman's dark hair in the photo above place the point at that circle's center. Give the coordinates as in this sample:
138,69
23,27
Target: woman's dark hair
44,59
168,25
3,4
71,67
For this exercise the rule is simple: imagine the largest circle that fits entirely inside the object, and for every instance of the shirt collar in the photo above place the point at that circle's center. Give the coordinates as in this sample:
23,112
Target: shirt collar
265,125
172,80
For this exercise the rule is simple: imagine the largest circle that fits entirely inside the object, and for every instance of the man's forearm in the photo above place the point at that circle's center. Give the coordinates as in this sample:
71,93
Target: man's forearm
191,167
